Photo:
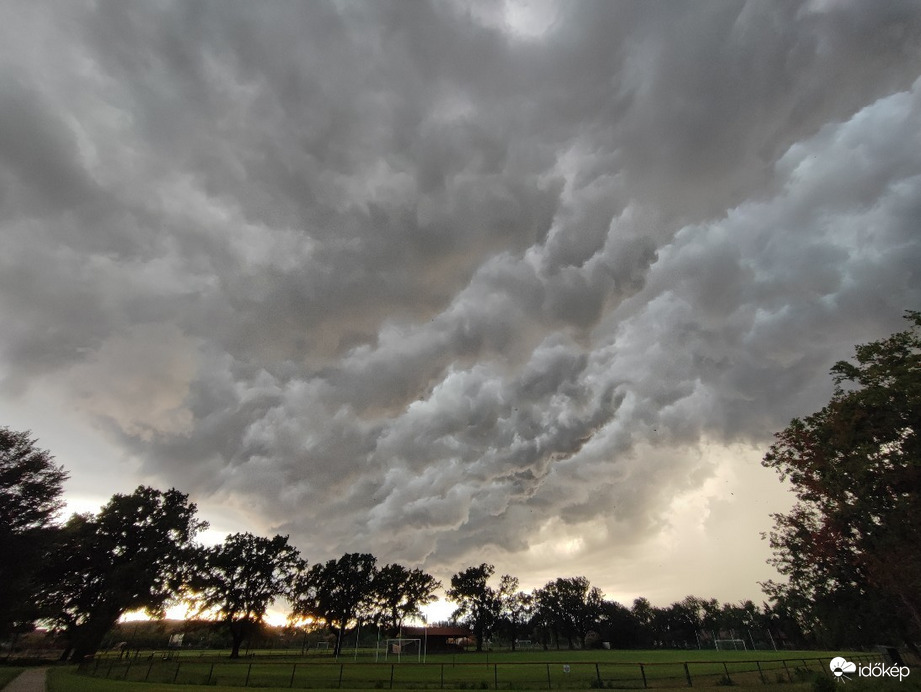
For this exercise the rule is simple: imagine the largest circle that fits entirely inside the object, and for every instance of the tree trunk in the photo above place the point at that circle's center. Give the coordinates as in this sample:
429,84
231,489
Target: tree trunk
88,638
237,641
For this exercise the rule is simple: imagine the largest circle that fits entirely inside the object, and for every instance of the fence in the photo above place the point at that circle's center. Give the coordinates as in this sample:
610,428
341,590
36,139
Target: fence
497,676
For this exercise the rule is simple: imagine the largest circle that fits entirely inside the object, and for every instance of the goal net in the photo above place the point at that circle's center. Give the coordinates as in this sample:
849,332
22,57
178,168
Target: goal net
730,644
404,647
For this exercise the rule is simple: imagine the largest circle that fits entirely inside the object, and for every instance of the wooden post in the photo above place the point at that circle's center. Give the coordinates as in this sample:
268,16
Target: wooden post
549,685
598,675
293,671
495,674
391,676
442,676
249,670
687,674
342,667
760,673
728,679
643,673
210,674
176,674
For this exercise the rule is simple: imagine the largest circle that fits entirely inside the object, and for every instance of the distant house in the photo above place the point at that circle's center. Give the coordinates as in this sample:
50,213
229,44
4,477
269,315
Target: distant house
441,639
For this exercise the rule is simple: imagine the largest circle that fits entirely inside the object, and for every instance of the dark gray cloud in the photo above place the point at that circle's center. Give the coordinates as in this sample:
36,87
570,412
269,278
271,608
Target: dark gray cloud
439,279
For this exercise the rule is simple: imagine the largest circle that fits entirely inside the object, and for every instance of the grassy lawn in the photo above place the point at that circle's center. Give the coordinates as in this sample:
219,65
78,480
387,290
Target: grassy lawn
67,680
7,673
527,670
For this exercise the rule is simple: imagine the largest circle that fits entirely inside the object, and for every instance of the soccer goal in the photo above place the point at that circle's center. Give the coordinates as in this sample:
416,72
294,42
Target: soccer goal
321,646
730,645
404,647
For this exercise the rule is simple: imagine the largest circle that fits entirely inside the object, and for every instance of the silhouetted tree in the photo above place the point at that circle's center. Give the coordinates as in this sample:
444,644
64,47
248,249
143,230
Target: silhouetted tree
337,592
30,498
399,593
135,554
572,604
477,602
853,536
238,580
515,608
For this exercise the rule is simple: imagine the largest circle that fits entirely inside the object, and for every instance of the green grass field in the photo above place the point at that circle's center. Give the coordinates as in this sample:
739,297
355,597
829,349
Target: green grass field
7,673
529,670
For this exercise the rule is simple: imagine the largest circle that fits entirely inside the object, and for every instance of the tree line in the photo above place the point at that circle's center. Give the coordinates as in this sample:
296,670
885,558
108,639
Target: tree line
850,550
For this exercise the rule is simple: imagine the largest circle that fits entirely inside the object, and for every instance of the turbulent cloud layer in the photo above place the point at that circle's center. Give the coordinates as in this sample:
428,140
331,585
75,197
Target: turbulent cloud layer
442,280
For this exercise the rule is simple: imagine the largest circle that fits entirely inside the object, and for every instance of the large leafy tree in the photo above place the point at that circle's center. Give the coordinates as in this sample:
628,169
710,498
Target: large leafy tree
30,498
477,602
572,606
400,593
238,580
851,543
337,592
136,553
515,608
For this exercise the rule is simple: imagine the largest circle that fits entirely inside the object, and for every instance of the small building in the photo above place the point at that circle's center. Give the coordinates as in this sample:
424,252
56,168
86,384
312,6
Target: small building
441,639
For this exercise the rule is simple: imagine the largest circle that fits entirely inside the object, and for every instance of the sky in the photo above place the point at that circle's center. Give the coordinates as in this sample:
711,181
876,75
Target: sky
527,283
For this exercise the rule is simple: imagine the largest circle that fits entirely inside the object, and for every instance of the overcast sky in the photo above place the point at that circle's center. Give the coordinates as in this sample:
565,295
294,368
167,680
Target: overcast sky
528,283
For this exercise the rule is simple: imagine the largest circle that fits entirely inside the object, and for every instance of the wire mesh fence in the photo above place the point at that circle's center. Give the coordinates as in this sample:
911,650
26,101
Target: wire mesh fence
464,676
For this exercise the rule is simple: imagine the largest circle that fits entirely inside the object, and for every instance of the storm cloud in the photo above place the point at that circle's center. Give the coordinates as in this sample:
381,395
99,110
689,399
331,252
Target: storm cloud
446,280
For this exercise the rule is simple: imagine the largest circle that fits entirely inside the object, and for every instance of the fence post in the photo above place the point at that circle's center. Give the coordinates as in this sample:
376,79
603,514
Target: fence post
149,666
125,676
293,671
109,669
598,675
789,675
495,674
391,677
249,669
760,674
176,674
643,673
549,685
210,673
442,676
728,679
342,667
687,674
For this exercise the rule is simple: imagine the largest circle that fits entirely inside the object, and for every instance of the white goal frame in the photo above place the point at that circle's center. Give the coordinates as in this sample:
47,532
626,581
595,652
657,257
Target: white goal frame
730,644
398,644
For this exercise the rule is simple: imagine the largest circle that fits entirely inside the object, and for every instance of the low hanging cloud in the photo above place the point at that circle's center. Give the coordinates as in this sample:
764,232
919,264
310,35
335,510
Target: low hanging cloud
433,279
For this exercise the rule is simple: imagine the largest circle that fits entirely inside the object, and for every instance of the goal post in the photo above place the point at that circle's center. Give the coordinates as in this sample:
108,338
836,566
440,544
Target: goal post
403,647
730,645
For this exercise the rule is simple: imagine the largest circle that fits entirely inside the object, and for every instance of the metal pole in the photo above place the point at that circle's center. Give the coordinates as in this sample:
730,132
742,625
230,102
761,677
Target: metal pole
357,633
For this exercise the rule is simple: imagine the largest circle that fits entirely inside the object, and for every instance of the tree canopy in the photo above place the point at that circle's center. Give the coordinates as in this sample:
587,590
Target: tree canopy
850,544
336,592
477,602
238,580
30,498
136,553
